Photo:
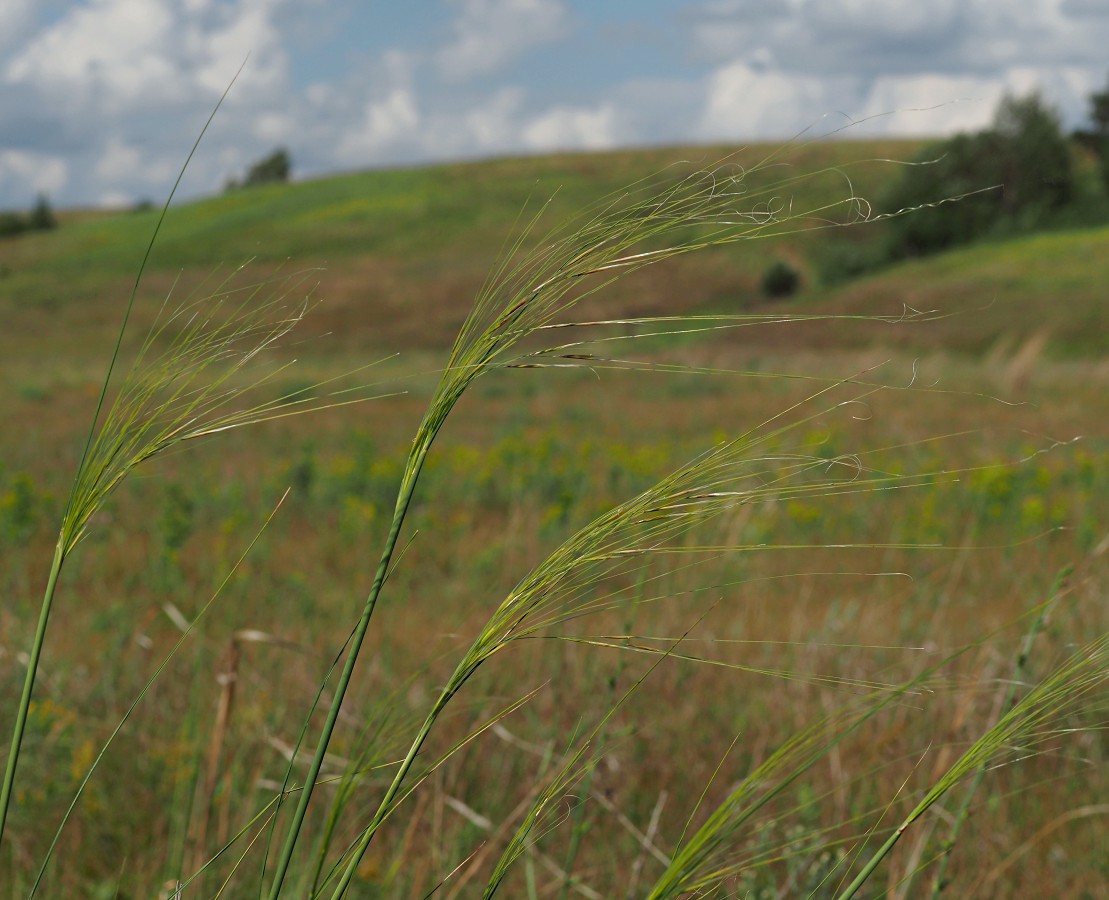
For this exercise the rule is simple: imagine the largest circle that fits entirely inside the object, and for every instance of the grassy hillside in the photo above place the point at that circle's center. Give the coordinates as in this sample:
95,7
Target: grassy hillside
1052,285
865,552
399,248
401,252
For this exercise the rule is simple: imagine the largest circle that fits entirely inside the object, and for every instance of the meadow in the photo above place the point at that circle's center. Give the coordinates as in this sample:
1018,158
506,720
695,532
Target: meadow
920,550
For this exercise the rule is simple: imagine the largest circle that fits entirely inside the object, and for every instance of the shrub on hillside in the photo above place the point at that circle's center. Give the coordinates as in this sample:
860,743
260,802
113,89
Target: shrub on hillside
1098,135
780,280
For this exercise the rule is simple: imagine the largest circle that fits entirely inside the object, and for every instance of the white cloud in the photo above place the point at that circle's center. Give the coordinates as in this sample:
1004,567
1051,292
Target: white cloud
15,17
247,31
275,127
113,51
114,200
118,55
489,34
743,102
569,128
33,173
493,124
928,105
118,160
385,124
782,65
941,105
890,37
121,88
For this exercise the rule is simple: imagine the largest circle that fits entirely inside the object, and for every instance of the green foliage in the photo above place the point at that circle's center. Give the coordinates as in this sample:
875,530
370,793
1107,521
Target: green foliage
1099,135
273,169
40,218
1010,177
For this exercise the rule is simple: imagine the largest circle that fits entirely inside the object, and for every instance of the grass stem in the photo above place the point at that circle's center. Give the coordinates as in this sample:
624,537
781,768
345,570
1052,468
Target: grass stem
29,686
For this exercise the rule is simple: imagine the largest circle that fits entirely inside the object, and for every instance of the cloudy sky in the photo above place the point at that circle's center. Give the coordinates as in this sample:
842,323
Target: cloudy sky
100,99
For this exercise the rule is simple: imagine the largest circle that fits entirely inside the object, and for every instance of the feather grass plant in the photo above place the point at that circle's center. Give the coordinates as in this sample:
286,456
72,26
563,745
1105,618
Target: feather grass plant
191,379
524,295
194,375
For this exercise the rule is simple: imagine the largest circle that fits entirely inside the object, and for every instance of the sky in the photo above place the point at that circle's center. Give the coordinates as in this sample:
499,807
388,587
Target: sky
100,100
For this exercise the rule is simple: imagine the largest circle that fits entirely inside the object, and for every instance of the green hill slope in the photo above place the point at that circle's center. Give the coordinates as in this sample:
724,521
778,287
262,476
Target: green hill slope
1051,285
401,252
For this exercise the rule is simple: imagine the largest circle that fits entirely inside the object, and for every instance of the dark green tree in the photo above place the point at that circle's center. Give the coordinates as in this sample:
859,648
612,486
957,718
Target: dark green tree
1035,157
42,216
780,280
1098,135
1011,176
960,170
274,169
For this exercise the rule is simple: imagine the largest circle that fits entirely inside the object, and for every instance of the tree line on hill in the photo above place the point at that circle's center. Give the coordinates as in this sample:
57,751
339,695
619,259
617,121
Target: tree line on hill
1021,174
272,169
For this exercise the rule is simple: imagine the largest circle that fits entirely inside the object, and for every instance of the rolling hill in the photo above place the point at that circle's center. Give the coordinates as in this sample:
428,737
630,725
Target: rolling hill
398,255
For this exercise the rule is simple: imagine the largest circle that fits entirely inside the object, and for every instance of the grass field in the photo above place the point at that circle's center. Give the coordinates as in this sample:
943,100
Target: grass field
835,595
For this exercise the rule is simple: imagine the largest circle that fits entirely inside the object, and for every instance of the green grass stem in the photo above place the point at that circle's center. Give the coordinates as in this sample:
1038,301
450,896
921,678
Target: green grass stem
73,526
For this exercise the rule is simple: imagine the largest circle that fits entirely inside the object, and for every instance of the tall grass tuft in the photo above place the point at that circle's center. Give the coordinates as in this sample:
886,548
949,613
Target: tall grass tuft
195,375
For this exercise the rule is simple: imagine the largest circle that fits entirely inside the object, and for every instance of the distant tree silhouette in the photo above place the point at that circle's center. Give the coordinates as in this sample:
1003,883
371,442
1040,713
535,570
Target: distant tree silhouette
42,216
1098,136
274,169
780,280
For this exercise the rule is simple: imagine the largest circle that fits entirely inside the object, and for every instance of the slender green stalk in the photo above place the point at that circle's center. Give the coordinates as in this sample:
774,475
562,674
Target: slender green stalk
68,536
416,460
386,804
28,686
